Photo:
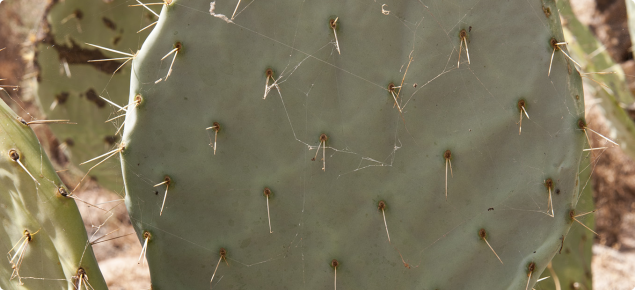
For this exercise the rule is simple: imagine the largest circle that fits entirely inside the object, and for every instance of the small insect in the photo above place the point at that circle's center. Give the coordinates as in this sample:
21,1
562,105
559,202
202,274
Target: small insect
490,209
469,29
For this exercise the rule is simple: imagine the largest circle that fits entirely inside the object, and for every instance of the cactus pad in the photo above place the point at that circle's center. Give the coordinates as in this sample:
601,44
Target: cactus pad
40,221
377,96
70,86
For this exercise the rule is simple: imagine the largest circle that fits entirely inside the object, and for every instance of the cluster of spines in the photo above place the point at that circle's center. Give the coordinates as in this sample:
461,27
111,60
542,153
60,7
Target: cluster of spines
18,252
447,155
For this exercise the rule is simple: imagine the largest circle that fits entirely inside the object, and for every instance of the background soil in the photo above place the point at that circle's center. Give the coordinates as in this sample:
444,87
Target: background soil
613,262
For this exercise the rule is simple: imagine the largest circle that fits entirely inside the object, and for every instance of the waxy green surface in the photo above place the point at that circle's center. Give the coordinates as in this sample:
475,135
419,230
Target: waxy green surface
32,201
374,152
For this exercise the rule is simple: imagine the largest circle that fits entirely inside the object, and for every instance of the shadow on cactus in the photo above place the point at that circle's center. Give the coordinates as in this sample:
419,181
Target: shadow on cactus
42,230
78,80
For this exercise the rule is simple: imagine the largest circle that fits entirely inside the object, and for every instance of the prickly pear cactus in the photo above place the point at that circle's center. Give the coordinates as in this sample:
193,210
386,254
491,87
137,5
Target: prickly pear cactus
609,85
571,266
41,226
70,87
357,145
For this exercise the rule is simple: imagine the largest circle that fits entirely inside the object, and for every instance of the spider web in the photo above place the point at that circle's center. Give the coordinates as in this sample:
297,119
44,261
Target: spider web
353,158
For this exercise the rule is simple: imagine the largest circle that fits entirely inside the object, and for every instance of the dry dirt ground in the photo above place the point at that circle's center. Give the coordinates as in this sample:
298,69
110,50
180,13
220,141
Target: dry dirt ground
117,247
118,252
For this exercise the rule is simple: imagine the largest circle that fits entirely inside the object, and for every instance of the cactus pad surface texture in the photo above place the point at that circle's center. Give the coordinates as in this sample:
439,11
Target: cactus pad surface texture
41,226
571,266
69,86
411,183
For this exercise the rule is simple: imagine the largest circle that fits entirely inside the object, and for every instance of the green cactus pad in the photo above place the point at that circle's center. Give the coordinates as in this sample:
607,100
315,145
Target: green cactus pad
571,266
34,200
70,86
332,99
